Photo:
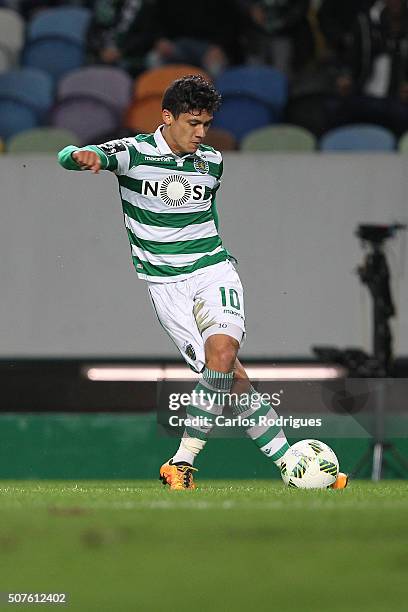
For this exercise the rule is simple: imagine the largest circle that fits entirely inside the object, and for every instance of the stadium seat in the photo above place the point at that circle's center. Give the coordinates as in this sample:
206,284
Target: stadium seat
54,55
85,117
28,86
41,140
144,115
358,138
241,115
15,117
403,143
110,85
253,97
154,82
261,83
5,61
26,96
279,138
221,140
11,34
55,40
67,22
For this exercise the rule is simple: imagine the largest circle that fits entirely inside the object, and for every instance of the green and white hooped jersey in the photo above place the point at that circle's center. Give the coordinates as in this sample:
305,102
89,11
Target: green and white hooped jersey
168,204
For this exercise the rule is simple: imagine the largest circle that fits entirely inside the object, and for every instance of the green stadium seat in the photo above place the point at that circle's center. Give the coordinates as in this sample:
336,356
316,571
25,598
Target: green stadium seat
41,140
280,138
403,143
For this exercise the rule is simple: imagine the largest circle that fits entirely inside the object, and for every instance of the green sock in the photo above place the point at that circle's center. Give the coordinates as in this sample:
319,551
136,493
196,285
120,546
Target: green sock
270,439
207,402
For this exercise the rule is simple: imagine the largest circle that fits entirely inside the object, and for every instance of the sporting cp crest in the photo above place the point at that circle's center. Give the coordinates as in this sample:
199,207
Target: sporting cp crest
190,352
202,166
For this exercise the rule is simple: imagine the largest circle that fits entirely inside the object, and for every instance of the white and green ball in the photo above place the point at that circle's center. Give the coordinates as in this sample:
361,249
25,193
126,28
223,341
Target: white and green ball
309,464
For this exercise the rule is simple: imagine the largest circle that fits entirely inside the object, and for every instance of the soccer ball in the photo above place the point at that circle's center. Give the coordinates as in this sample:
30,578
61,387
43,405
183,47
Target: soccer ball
309,464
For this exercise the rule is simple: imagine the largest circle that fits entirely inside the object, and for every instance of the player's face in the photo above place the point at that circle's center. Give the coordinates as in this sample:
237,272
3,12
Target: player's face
186,133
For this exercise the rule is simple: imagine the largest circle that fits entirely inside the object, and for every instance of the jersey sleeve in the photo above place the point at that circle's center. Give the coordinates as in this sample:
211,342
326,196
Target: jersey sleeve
220,170
215,213
215,189
118,156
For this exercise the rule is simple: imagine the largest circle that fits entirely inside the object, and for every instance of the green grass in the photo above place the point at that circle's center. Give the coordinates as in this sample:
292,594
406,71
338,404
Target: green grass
242,545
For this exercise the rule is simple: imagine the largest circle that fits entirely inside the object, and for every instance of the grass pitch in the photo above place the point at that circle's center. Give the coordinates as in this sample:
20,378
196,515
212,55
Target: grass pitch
242,545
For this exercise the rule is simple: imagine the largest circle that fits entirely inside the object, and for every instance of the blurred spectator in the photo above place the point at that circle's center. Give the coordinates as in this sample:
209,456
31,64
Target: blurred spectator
212,37
372,87
140,34
122,32
285,39
336,20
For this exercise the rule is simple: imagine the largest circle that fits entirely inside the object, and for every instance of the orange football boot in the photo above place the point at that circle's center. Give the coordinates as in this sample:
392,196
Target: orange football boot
341,481
178,476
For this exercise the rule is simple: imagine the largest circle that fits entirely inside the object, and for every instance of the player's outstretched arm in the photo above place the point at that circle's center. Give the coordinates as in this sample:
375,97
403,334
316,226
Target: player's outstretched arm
87,158
115,155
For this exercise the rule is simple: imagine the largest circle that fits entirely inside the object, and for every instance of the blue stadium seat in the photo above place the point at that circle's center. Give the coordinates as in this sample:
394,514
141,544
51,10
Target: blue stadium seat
359,138
56,56
5,60
64,22
262,83
241,115
253,97
28,86
15,117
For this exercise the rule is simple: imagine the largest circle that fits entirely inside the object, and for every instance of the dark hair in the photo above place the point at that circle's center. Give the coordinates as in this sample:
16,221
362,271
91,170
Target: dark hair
189,94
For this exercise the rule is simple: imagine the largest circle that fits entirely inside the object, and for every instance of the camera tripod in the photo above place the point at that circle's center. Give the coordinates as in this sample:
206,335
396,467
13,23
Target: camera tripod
375,274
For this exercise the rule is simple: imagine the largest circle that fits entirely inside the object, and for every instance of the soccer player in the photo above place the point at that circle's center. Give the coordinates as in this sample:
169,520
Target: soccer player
168,183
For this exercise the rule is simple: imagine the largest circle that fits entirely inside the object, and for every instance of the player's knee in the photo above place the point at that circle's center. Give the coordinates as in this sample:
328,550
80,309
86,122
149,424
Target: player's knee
222,361
226,360
221,353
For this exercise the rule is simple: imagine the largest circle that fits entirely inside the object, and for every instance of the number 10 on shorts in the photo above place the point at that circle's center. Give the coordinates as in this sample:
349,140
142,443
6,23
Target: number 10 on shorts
233,298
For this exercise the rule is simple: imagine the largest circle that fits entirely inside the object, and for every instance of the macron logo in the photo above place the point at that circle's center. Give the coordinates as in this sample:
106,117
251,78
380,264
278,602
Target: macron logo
158,159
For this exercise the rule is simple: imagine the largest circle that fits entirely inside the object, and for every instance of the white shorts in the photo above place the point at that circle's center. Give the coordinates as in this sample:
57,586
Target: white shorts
193,309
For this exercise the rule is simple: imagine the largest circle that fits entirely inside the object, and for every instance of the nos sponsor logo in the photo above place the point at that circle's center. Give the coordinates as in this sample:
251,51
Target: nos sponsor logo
174,191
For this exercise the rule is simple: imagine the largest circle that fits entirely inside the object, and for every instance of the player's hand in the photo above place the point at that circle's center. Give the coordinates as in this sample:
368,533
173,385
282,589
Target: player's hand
88,160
